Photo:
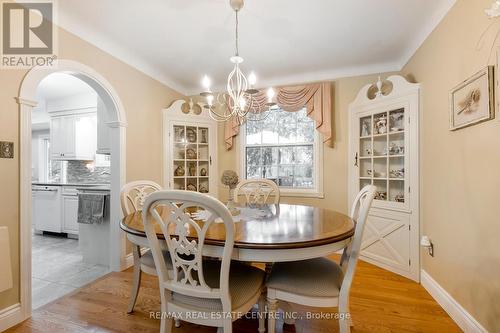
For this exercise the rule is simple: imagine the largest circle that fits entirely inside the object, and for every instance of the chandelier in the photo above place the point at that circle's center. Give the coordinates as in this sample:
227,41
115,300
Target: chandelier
239,100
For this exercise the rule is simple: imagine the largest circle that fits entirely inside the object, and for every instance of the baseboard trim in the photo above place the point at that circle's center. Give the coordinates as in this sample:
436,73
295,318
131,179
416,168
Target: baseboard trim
10,316
127,262
461,316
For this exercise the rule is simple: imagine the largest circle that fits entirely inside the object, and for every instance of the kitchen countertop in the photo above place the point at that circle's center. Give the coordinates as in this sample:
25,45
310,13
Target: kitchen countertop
96,186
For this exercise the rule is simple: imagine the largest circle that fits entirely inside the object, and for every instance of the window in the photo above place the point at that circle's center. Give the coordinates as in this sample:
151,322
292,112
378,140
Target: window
284,148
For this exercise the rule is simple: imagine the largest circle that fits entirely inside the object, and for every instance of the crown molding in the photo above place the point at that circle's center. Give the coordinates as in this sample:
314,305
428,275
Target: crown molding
308,77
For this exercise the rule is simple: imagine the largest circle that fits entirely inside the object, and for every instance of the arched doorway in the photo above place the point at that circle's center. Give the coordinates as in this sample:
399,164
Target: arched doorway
117,127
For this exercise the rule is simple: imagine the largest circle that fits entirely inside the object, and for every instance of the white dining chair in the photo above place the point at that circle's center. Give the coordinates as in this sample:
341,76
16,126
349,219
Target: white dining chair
257,191
211,289
132,199
321,282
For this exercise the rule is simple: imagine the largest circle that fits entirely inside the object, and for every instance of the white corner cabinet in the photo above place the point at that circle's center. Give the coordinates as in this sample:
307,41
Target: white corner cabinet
190,148
384,152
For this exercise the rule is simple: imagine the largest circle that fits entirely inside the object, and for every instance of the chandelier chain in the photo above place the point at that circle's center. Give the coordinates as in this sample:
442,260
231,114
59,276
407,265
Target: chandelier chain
236,39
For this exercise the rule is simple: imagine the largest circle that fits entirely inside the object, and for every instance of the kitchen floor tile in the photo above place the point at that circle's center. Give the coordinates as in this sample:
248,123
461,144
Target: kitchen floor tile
58,268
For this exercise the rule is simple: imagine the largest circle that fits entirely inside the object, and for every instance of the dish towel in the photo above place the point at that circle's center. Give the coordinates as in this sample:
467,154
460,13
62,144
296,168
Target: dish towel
91,207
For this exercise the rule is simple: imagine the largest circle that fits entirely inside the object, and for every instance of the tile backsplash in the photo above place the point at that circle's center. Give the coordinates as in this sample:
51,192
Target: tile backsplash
86,172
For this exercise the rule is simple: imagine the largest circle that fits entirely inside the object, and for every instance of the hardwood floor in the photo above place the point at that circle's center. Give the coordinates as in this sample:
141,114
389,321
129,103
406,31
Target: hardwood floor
380,302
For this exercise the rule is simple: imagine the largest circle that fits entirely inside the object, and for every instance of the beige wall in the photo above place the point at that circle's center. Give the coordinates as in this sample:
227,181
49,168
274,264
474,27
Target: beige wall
142,97
460,170
334,159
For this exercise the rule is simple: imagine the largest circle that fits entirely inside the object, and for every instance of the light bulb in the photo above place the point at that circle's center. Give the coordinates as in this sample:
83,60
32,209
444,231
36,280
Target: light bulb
242,102
252,79
206,82
270,94
210,99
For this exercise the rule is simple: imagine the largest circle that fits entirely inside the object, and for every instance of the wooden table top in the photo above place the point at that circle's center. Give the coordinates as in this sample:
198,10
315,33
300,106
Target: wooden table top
284,227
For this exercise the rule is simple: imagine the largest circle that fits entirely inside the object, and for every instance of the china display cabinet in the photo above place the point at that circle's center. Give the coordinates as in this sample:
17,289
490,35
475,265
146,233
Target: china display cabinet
189,148
384,152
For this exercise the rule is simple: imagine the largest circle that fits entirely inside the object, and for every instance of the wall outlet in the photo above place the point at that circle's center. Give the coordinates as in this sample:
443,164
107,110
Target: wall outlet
6,149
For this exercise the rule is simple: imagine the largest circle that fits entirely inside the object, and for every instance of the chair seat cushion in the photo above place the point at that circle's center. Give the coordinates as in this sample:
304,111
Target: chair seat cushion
147,259
318,277
244,282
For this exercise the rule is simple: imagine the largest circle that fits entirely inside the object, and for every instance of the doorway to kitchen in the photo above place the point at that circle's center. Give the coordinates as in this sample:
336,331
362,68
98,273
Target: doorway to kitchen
72,166
71,171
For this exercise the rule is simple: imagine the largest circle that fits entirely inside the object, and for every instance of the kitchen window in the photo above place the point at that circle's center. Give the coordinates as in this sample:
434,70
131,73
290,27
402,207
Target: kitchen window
285,148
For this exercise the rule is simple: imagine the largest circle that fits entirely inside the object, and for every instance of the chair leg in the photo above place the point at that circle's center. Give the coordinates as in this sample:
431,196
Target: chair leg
136,283
262,314
228,326
272,306
345,321
166,321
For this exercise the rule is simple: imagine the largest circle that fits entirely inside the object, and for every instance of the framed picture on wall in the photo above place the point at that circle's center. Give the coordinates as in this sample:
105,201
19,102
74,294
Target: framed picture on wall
473,100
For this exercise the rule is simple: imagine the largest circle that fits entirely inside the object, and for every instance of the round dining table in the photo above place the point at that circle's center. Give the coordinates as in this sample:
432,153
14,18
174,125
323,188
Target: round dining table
267,234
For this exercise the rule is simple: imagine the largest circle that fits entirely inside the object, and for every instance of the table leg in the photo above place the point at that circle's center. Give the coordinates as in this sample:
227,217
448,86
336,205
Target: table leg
287,308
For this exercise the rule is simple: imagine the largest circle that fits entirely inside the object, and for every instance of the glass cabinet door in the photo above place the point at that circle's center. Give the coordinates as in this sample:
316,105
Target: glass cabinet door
191,158
382,154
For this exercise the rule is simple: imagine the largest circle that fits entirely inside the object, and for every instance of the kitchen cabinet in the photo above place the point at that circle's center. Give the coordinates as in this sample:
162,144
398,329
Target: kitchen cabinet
73,136
70,211
47,208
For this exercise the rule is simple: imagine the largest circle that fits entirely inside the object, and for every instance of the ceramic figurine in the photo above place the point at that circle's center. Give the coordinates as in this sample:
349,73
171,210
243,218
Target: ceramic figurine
192,170
380,195
203,136
179,172
364,129
191,154
203,172
400,197
382,125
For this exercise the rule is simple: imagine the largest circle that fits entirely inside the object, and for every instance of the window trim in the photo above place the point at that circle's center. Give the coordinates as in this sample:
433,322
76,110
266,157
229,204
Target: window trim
315,192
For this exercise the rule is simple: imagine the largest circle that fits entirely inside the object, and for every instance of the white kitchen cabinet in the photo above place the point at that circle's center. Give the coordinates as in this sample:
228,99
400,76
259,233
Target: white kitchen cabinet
47,208
61,139
70,211
103,139
73,137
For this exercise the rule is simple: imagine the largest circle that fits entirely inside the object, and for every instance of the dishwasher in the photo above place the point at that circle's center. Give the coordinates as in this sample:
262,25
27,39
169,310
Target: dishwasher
46,206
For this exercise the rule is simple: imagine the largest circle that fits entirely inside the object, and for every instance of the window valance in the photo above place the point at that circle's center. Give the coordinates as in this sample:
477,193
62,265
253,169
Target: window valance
315,97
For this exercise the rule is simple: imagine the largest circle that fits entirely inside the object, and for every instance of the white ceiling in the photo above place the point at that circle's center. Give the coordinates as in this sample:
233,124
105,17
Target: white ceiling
284,41
60,85
53,87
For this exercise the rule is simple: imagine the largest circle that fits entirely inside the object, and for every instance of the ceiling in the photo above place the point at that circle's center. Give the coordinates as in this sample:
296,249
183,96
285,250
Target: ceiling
283,41
53,87
59,85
